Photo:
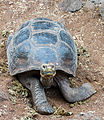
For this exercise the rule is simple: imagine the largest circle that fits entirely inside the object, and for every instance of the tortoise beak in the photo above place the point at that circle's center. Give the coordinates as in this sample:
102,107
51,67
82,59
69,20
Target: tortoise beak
48,70
48,74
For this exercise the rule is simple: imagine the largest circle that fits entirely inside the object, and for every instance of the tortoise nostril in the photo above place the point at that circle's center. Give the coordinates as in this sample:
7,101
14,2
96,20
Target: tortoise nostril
53,66
43,66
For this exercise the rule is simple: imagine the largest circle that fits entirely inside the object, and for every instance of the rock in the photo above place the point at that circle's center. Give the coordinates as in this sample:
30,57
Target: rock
0,113
11,3
71,5
23,0
89,5
3,96
82,113
97,1
101,10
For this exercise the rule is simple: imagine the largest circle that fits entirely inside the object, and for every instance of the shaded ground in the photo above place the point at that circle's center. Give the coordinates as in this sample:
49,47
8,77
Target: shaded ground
87,29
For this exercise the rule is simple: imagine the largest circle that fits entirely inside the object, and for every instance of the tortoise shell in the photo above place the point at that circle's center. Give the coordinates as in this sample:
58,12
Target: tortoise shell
40,41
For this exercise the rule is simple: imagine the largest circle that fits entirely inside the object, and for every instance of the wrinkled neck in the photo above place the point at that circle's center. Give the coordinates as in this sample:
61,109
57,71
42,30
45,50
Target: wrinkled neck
46,82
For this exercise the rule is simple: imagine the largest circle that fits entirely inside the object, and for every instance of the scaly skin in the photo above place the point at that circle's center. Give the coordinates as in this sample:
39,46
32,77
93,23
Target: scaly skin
70,94
39,99
73,94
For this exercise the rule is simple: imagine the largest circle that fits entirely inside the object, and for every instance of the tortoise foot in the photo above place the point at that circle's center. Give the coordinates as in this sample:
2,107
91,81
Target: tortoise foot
40,102
39,98
86,91
80,93
44,108
76,94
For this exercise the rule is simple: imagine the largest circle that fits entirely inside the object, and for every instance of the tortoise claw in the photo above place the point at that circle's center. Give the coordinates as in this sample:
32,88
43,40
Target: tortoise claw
44,108
40,102
87,90
39,99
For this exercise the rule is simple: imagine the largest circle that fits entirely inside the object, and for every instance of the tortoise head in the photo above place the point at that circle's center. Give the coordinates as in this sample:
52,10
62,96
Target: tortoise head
47,71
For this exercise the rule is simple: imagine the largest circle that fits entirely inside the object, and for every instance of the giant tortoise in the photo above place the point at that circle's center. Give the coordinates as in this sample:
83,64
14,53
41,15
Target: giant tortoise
42,54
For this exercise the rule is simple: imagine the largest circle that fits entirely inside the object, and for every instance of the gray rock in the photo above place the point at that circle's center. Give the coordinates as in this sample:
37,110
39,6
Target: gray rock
3,96
92,4
101,10
11,3
71,5
89,5
97,1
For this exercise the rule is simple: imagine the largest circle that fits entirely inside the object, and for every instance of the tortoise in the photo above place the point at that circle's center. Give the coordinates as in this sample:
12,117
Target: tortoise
42,54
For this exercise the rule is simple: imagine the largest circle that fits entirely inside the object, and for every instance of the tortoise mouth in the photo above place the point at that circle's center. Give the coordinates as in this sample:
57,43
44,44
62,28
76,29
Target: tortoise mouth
48,70
48,74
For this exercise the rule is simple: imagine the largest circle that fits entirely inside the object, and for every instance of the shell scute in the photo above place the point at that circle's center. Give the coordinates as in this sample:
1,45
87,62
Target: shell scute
65,53
67,58
20,58
68,39
9,39
24,25
45,55
45,38
22,36
43,25
23,51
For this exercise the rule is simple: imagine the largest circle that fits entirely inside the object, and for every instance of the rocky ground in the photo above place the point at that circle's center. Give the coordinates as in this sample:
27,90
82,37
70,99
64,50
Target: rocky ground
87,29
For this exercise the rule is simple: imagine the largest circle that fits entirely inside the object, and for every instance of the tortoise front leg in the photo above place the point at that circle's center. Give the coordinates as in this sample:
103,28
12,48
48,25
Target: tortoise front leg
74,94
39,99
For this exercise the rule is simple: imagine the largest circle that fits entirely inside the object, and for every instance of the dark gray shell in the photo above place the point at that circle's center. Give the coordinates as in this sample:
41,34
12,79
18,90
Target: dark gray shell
41,41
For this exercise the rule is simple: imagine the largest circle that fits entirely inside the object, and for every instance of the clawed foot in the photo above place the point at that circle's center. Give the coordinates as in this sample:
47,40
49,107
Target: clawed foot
44,108
76,94
81,93
40,102
86,90
39,98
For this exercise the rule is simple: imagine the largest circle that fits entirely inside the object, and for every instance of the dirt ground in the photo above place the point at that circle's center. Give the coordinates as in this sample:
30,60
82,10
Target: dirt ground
87,29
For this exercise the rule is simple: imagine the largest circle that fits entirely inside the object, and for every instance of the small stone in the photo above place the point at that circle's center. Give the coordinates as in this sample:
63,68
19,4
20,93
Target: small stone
97,1
72,105
70,113
101,10
2,44
97,83
82,113
3,95
22,118
0,113
11,31
91,112
74,37
23,0
5,106
89,5
11,3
